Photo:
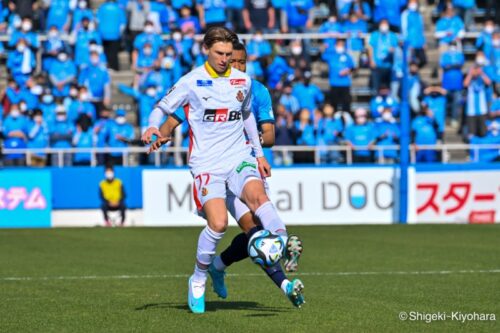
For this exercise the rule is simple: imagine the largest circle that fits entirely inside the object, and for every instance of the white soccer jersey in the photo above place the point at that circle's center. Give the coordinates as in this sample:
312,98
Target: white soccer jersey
213,105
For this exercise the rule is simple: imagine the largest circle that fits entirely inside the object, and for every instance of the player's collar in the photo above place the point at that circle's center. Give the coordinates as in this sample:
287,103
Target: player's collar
213,74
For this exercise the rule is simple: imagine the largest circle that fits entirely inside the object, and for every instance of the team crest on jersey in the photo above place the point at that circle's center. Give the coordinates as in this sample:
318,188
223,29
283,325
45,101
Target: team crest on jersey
204,83
204,191
239,96
238,82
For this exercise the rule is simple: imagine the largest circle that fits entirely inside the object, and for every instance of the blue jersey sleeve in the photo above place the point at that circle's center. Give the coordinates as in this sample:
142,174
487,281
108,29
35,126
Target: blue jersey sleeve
262,106
179,115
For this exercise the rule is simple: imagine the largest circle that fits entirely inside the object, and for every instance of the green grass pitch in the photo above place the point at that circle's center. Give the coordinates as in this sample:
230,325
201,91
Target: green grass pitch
357,279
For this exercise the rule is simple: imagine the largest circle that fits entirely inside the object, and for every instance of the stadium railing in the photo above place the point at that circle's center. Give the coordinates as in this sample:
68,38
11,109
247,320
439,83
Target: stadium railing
444,151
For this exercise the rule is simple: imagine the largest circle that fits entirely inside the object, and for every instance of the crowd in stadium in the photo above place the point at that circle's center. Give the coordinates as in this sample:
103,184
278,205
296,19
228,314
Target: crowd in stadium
60,56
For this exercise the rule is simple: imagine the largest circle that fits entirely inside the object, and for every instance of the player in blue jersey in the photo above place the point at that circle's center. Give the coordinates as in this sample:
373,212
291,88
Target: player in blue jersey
237,251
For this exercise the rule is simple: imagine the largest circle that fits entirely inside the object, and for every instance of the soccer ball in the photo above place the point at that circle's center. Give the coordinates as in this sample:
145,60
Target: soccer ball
265,248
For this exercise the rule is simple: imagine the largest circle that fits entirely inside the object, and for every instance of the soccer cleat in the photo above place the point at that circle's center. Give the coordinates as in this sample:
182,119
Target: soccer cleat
294,292
218,281
292,253
196,296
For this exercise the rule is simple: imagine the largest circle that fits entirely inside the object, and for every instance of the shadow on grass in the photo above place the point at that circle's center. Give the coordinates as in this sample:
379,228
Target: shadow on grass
212,306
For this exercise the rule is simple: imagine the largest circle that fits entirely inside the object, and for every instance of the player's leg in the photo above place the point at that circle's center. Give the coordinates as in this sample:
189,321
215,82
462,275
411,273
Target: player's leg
122,210
210,194
105,210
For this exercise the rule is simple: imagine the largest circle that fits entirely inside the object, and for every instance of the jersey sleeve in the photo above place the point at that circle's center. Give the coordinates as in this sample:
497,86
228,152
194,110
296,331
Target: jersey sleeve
176,97
246,106
262,105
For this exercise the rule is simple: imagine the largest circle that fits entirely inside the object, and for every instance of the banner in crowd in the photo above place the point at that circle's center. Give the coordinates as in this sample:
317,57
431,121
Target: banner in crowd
301,195
462,196
25,199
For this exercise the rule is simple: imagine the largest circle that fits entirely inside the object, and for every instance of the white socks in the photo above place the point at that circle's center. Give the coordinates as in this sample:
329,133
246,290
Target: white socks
270,220
207,243
284,284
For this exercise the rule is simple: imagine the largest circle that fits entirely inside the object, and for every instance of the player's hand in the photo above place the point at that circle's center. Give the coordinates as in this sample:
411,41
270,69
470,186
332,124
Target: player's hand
264,167
158,143
146,137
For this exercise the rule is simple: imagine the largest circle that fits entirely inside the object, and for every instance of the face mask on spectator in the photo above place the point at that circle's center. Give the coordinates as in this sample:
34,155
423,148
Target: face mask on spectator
481,61
109,175
258,38
339,49
387,116
23,107
332,19
489,28
384,28
62,57
149,29
61,117
21,47
15,113
177,36
26,25
73,92
167,62
361,120
170,53
36,90
413,6
496,42
52,34
148,51
120,120
47,99
94,60
151,92
82,4
296,50
38,119
84,96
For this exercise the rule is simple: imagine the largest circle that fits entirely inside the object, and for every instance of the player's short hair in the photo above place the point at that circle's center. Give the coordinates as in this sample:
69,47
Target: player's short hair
238,46
219,34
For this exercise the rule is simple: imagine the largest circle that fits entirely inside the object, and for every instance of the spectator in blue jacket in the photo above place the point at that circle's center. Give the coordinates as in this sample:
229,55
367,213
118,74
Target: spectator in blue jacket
361,134
38,138
21,63
492,138
61,134
449,27
298,16
485,40
304,129
61,73
309,95
277,71
284,135
425,131
354,28
48,106
413,31
383,100
329,133
289,102
188,22
340,67
111,22
59,15
121,135
84,137
101,130
83,37
163,77
234,10
81,11
51,47
259,16
451,62
435,100
381,48
98,82
15,132
211,13
81,106
147,45
258,48
390,10
333,28
145,100
162,16
388,134
476,109
31,38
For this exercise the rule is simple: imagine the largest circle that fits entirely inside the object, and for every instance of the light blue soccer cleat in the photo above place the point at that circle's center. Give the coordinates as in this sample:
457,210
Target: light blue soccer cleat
293,251
294,292
196,296
218,281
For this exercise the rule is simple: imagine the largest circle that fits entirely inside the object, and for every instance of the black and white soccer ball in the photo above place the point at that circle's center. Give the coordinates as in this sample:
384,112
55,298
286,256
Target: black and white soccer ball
265,248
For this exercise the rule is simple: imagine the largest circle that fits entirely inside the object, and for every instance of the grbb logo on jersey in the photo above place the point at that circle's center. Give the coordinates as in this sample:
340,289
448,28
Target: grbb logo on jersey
220,115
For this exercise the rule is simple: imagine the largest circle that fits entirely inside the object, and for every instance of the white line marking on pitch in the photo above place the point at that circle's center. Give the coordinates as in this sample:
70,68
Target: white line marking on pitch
177,276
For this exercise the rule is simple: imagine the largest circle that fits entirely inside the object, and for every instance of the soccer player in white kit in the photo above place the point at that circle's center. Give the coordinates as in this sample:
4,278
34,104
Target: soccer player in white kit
217,102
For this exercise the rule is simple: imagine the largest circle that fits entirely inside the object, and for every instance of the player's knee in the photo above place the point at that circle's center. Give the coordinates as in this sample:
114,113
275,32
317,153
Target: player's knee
257,200
218,225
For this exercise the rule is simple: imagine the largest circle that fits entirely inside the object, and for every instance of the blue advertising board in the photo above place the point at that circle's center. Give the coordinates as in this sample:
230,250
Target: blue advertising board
25,199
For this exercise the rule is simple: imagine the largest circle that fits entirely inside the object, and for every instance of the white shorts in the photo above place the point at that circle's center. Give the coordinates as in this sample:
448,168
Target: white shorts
210,186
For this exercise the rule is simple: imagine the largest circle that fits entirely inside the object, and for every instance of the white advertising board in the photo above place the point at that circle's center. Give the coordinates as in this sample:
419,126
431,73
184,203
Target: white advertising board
301,195
456,197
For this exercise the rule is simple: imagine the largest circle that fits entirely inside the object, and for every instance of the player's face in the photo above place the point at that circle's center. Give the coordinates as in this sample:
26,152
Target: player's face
239,60
219,56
